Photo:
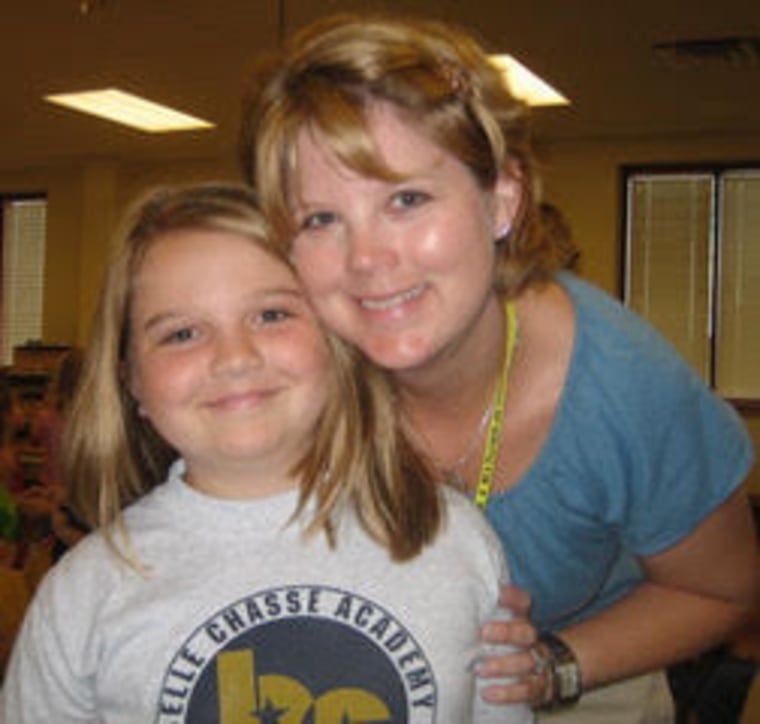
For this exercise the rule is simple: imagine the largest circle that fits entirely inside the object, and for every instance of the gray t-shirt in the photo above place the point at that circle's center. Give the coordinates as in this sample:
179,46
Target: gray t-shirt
237,617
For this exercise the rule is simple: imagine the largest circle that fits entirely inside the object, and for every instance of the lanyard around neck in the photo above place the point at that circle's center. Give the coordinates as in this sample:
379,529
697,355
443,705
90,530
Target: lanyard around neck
493,439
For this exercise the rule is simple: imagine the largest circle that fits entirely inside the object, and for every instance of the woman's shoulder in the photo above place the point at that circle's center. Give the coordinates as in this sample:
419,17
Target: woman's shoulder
615,348
597,309
633,397
626,388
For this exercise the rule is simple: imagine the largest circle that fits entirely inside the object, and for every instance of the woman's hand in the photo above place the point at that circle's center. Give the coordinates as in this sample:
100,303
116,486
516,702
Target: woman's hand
528,681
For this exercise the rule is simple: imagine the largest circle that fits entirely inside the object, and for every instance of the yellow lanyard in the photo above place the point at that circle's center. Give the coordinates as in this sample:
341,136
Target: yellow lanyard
491,450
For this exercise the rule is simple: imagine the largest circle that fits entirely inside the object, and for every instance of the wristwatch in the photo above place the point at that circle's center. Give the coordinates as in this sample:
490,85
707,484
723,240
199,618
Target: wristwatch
563,669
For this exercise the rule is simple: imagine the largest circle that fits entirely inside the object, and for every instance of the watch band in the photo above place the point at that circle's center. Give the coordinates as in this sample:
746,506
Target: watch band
563,669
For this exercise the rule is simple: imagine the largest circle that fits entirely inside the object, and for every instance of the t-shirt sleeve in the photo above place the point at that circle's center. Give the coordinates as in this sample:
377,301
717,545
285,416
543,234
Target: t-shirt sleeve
699,454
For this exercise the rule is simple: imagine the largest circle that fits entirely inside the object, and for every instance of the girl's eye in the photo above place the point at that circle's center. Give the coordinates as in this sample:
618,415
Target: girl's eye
180,336
318,220
409,199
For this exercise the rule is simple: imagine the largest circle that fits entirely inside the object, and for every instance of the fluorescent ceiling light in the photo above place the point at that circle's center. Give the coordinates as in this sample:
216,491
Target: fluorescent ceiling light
131,110
526,85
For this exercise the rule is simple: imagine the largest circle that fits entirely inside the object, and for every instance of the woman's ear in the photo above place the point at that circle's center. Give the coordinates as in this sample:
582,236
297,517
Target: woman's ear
507,196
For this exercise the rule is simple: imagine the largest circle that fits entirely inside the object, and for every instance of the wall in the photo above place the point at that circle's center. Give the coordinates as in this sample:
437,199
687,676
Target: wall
581,177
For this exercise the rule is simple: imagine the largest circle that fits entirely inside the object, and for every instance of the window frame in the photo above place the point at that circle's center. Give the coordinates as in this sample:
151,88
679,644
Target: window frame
716,169
5,198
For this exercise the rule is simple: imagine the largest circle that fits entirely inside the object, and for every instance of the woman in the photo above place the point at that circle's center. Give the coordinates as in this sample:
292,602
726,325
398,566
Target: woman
398,165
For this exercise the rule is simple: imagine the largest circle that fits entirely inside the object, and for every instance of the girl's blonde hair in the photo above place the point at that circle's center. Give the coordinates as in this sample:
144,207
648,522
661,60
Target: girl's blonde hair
328,75
360,457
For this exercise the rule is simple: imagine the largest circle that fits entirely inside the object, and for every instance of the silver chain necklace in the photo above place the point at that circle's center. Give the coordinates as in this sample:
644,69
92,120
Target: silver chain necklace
453,474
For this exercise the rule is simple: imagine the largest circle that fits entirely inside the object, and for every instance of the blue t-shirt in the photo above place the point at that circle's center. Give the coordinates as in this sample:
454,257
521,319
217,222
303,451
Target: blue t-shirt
640,451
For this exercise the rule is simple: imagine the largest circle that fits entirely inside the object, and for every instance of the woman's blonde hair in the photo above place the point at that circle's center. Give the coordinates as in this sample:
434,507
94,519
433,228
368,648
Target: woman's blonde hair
360,457
327,76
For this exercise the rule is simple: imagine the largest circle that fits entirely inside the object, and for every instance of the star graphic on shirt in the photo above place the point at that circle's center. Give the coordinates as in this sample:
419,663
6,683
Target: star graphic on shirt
270,714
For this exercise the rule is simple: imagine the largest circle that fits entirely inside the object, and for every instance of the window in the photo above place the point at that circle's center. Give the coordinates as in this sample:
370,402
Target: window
692,267
24,226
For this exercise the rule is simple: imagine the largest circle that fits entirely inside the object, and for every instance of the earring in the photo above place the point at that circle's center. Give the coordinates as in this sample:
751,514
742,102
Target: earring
503,231
139,409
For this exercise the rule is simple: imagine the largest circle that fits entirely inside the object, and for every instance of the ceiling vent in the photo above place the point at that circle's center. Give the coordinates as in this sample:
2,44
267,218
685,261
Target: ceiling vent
736,52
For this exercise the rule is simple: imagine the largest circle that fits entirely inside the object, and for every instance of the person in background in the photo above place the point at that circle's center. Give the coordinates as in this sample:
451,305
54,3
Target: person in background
14,594
560,236
398,165
268,540
12,422
47,423
46,430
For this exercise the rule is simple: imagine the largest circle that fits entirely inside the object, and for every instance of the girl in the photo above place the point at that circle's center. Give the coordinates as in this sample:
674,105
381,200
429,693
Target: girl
281,571
394,158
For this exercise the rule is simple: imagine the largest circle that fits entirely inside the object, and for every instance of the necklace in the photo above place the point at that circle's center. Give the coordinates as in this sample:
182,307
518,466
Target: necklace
454,475
495,413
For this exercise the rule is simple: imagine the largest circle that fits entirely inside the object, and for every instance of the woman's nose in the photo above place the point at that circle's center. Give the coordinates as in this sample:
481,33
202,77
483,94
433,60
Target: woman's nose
370,248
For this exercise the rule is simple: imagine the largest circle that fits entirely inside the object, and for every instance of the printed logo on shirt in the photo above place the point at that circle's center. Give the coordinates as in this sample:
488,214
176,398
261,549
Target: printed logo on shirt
299,655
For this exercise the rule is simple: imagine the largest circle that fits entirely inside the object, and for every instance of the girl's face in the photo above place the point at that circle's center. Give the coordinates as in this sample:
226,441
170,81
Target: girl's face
404,270
226,360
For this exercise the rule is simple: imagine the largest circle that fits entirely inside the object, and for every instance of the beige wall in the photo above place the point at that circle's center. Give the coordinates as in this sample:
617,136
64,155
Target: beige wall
581,177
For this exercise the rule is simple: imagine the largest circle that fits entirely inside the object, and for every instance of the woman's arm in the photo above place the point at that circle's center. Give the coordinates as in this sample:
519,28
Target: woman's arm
695,595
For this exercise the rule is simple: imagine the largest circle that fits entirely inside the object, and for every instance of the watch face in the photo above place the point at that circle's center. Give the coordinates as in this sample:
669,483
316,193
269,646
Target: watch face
569,680
564,668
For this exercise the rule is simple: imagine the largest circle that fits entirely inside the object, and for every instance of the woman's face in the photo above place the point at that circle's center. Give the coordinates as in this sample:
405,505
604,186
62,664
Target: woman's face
403,269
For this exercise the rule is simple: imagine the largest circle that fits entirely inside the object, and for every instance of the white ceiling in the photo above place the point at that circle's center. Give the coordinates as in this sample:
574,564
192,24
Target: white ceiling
195,55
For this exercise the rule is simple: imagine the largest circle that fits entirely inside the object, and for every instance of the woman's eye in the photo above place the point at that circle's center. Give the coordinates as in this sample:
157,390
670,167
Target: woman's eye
409,199
271,316
318,220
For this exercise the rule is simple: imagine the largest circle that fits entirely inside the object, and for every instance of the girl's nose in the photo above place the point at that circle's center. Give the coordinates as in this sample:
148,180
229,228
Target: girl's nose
237,351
